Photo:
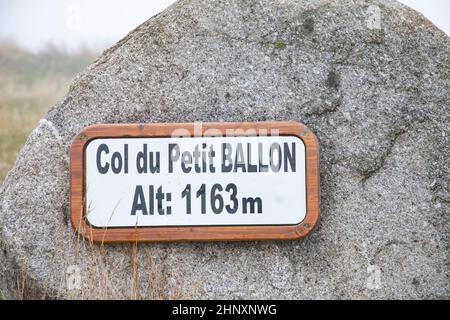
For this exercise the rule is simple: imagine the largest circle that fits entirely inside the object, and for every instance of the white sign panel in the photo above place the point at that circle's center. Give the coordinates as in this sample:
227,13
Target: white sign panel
195,181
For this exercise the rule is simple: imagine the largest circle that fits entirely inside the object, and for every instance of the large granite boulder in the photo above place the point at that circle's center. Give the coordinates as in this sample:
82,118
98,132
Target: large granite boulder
370,78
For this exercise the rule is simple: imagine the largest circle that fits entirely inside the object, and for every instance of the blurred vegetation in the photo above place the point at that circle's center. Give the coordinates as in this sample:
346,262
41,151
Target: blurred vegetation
31,83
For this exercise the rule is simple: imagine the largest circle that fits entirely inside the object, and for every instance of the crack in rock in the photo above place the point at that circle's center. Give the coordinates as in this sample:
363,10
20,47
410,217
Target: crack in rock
381,162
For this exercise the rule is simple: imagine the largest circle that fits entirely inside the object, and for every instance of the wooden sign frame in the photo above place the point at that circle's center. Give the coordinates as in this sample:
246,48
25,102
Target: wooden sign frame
190,233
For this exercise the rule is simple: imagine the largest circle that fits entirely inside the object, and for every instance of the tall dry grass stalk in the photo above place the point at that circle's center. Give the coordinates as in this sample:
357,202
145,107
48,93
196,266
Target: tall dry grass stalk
103,280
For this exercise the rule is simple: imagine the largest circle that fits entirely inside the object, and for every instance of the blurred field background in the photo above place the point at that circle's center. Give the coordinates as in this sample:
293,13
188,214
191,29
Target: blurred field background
30,84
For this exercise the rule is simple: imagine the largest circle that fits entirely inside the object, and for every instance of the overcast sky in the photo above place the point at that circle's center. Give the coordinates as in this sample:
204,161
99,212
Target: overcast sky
100,23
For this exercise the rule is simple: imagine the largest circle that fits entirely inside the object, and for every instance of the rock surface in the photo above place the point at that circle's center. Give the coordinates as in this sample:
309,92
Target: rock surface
370,78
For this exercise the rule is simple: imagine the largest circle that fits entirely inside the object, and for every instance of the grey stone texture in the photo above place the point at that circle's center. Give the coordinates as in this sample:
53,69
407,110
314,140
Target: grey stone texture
370,78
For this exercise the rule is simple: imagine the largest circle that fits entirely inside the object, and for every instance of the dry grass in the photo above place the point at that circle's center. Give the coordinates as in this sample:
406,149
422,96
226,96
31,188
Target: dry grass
106,277
121,272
